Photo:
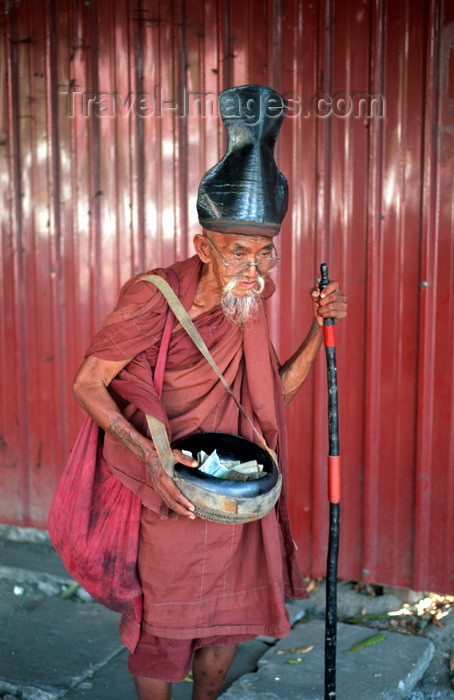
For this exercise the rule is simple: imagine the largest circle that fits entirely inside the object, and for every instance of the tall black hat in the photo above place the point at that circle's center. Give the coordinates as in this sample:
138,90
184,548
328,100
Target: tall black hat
245,192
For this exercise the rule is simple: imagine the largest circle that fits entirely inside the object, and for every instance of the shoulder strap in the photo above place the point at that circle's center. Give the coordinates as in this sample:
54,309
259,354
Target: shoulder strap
183,317
158,375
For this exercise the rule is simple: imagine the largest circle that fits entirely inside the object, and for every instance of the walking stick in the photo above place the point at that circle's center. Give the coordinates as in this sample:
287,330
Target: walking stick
334,501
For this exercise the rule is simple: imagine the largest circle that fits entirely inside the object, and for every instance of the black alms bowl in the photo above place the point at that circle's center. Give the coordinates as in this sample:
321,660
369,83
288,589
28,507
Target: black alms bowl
231,447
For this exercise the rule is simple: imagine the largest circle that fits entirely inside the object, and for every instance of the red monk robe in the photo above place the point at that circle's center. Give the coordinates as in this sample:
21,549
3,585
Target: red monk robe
201,579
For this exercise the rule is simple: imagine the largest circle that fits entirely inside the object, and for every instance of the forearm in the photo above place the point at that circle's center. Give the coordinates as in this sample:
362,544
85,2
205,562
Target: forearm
294,371
98,403
90,390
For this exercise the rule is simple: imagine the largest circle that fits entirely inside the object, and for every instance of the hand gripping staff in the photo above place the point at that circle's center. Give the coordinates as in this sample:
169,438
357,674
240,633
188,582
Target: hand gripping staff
334,500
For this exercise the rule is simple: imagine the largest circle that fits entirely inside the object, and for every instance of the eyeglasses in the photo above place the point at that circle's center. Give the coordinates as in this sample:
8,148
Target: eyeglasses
238,262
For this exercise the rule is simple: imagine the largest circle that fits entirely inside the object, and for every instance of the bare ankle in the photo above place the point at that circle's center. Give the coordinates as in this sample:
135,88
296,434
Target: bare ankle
152,689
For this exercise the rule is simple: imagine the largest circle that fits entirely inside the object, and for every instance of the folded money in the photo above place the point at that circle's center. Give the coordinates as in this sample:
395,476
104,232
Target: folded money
213,465
227,468
250,470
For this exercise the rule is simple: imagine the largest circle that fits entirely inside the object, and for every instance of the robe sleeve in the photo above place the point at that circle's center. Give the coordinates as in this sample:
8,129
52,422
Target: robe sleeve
135,324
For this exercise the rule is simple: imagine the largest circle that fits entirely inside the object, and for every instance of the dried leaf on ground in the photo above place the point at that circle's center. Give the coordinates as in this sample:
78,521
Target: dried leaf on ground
451,661
366,618
372,590
70,591
298,650
376,639
311,583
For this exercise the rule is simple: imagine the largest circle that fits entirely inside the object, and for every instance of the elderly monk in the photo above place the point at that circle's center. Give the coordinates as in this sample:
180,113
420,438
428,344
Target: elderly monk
207,585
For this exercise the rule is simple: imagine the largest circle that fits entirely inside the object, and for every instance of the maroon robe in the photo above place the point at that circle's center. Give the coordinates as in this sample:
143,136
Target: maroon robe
201,579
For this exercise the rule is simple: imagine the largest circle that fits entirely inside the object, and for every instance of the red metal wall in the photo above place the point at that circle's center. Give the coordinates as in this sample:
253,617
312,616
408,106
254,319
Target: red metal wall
89,199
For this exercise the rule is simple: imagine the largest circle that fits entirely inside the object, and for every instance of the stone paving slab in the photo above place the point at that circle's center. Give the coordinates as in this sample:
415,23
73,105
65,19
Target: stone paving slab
51,643
111,681
386,671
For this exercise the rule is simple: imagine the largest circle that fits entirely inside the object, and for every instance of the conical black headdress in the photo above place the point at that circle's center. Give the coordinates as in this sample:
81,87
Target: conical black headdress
246,192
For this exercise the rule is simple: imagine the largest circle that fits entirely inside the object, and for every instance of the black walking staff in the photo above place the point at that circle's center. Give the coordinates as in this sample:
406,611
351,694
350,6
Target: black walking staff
329,340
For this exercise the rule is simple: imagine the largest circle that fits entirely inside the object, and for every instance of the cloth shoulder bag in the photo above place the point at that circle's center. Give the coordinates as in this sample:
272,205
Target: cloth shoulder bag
94,519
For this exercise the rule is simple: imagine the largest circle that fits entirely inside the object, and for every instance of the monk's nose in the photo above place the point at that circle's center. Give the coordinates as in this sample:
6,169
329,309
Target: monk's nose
251,271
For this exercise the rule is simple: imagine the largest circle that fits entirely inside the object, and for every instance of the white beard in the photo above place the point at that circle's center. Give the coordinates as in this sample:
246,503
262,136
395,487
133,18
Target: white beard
240,309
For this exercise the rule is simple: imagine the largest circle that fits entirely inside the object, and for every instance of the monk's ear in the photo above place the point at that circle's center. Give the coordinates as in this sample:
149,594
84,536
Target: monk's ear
202,248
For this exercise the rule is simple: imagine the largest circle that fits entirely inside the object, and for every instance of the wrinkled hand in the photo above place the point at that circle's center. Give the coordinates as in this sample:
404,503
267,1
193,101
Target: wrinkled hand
165,487
330,303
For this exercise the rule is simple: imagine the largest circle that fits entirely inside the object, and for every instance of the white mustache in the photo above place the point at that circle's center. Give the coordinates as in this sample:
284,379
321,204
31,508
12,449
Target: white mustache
233,282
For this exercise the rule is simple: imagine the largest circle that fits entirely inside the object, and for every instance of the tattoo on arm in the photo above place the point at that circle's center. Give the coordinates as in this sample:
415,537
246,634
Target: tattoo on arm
129,436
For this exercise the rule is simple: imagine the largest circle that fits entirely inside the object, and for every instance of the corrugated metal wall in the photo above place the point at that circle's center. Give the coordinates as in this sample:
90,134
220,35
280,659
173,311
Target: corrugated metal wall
93,193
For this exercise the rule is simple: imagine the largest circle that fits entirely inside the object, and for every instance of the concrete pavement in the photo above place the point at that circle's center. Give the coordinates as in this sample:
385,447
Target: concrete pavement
69,648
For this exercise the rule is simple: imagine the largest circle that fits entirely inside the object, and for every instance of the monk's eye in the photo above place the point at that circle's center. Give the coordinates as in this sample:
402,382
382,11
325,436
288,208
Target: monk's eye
238,255
265,255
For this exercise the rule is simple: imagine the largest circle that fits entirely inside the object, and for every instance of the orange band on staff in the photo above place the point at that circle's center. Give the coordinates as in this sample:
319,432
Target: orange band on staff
334,481
329,337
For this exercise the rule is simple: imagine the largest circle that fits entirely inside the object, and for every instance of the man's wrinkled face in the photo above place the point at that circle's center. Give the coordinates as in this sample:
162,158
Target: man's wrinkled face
239,250
240,282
